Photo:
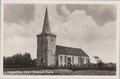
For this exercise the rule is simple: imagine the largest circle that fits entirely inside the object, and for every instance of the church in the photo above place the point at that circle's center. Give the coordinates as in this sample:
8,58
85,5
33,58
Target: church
51,55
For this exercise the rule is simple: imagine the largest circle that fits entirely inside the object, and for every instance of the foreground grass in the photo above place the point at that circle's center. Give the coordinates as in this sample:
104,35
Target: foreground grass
59,72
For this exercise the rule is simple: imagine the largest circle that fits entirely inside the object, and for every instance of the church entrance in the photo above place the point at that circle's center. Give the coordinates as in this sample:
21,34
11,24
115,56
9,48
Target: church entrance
41,61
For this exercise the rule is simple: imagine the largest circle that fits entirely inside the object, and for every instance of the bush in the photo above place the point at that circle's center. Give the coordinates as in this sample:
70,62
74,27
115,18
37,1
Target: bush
92,67
19,61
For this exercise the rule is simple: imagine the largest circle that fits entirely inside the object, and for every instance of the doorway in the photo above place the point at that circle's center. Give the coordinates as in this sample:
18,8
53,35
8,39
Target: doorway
41,61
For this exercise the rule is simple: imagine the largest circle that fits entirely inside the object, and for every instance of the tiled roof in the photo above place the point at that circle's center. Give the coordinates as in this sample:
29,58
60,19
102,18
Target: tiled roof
70,51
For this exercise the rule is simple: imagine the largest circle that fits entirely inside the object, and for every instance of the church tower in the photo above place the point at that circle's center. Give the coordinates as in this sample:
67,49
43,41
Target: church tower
46,45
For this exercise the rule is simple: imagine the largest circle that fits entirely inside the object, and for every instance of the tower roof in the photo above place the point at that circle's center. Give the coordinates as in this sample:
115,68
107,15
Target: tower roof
46,26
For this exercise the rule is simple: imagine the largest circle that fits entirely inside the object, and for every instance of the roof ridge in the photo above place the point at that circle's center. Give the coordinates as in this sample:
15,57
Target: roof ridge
69,47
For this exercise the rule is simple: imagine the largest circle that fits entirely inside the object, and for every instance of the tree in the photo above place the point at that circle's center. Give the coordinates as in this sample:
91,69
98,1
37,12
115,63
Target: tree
19,60
99,61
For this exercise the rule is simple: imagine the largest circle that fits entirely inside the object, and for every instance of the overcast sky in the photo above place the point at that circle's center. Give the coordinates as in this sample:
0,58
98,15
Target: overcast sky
90,27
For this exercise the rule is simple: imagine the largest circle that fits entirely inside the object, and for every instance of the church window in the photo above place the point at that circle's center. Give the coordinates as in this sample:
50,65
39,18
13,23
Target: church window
51,39
87,60
61,58
46,60
65,58
83,59
79,60
72,59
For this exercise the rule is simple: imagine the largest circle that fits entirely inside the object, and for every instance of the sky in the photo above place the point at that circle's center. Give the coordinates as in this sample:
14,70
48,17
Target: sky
91,27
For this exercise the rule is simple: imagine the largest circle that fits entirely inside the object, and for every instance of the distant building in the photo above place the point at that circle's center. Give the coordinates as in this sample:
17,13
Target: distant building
50,54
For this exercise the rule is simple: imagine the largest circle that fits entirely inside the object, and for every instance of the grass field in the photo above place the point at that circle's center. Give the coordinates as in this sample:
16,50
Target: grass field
59,72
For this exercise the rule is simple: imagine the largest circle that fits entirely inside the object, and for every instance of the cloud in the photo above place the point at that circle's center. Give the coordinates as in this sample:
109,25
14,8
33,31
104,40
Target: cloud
65,11
102,13
108,31
79,26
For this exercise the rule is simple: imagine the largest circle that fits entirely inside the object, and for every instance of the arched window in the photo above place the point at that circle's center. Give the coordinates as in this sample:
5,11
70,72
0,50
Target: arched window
51,39
88,61
73,59
61,58
82,59
79,60
65,58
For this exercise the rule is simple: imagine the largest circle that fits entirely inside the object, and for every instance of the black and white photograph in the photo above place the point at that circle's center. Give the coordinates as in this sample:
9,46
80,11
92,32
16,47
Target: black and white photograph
60,39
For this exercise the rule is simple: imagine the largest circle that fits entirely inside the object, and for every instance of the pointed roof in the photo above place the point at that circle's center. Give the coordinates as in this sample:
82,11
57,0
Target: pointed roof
46,26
